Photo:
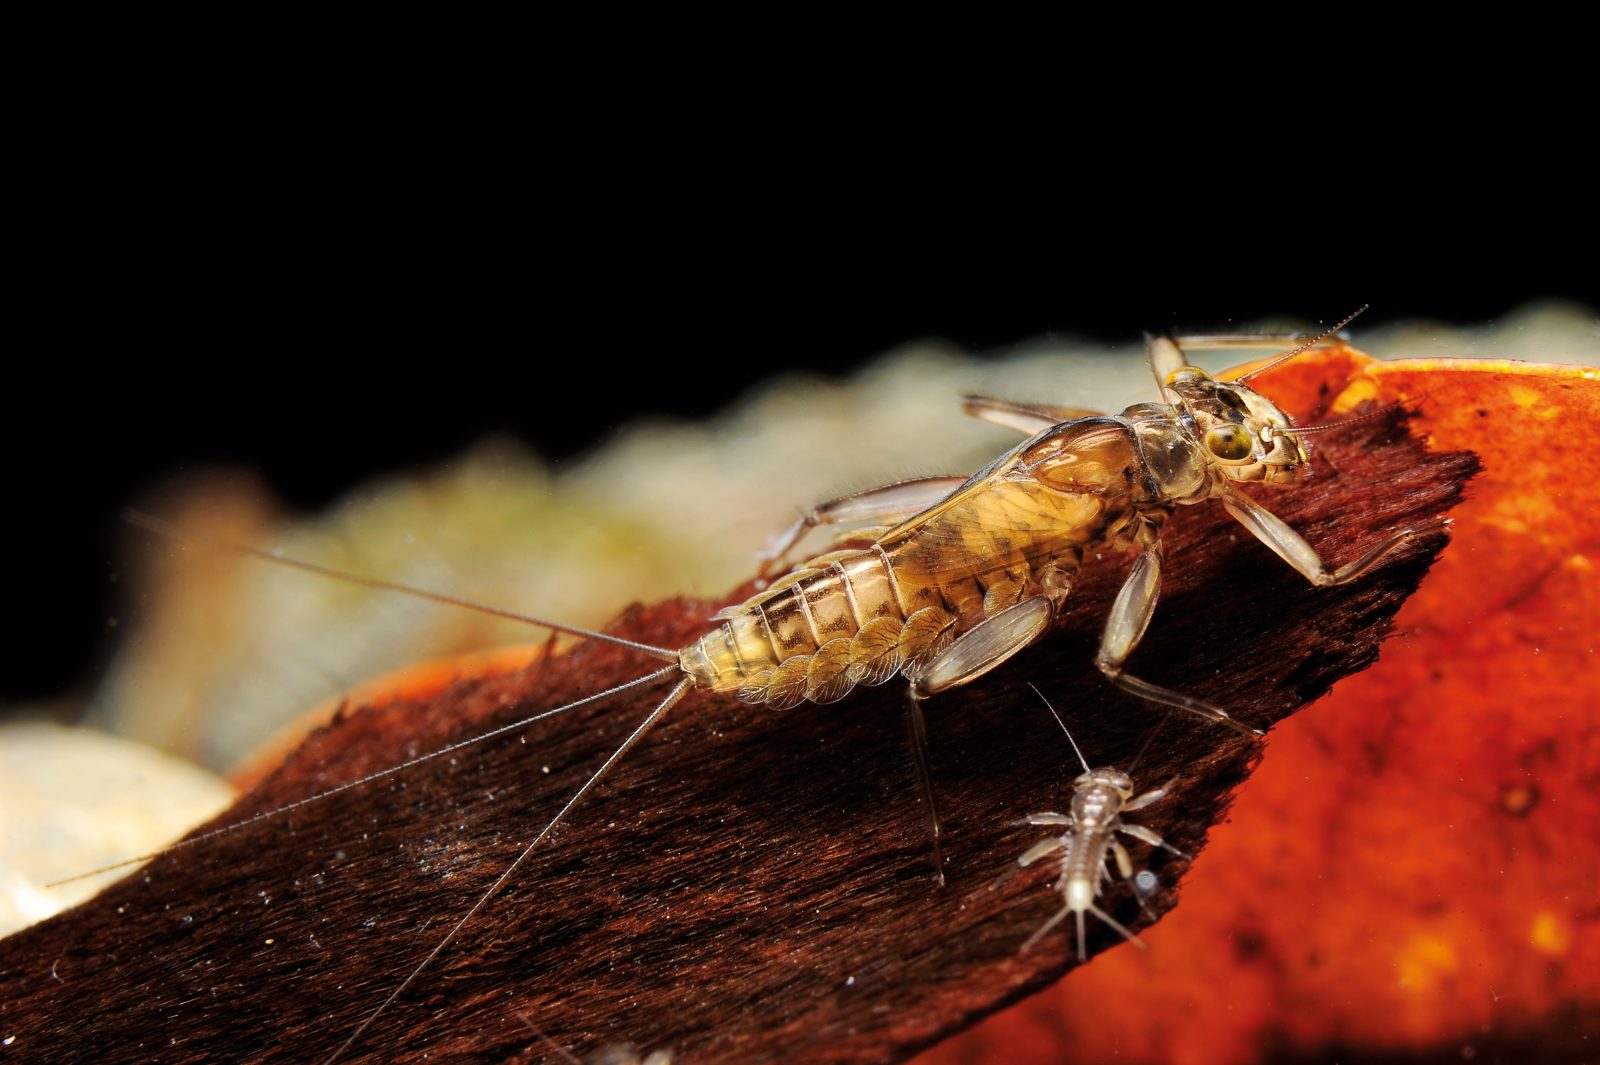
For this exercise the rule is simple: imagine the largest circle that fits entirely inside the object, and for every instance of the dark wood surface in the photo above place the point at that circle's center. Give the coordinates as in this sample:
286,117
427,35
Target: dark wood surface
748,886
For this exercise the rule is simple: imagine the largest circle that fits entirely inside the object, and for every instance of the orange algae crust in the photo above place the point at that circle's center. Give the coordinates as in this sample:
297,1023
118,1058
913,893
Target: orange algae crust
1413,871
414,683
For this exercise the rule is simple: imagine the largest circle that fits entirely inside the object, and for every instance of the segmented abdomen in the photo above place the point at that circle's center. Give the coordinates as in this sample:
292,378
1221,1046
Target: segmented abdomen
1095,810
861,616
847,619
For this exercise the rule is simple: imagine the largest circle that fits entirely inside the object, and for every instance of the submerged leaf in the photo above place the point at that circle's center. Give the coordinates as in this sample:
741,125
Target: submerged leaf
1413,872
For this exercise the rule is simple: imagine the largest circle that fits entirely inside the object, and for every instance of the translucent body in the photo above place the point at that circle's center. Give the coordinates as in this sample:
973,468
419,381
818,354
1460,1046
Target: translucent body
1096,805
1099,799
976,573
1017,529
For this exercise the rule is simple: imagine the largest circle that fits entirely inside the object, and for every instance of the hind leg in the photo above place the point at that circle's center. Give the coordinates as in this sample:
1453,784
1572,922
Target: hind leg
971,655
887,503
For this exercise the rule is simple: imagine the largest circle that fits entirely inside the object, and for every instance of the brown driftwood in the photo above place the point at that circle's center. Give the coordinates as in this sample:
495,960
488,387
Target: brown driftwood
748,886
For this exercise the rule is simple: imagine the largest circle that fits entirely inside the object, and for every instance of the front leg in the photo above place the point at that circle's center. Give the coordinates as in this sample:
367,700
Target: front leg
1139,802
1293,549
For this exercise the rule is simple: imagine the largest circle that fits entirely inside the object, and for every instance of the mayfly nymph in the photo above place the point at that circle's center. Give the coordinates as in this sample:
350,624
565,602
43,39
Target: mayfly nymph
960,574
1099,799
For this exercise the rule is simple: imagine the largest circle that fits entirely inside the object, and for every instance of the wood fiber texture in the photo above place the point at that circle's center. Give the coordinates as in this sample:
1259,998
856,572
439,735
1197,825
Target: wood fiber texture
748,886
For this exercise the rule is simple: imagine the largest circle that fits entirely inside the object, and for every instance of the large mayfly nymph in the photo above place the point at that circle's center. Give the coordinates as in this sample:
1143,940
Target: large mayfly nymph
1099,799
958,575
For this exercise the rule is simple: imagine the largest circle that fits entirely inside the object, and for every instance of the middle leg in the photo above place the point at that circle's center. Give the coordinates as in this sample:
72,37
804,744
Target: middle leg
1130,616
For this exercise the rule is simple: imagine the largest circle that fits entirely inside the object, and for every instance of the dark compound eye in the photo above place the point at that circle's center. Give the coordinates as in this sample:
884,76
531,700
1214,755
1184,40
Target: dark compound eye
1230,442
1233,399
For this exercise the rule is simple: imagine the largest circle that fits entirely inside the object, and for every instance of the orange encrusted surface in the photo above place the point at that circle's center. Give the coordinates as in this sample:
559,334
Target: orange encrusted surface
418,682
1413,871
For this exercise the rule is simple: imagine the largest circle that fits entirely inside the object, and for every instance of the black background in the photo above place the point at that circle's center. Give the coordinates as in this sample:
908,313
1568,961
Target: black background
327,303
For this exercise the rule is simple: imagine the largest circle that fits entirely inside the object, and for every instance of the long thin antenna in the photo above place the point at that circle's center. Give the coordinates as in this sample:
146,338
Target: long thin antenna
1387,408
369,778
634,737
1063,725
1147,741
150,523
1286,356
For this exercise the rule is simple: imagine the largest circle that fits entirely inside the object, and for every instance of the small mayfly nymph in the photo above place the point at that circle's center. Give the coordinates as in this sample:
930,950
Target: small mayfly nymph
1099,799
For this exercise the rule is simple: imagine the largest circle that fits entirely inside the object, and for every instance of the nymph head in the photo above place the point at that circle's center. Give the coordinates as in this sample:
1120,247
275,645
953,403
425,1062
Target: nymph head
1111,778
1245,436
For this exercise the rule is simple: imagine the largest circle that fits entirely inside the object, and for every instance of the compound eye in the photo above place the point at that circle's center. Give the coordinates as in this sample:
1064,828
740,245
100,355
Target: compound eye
1230,442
